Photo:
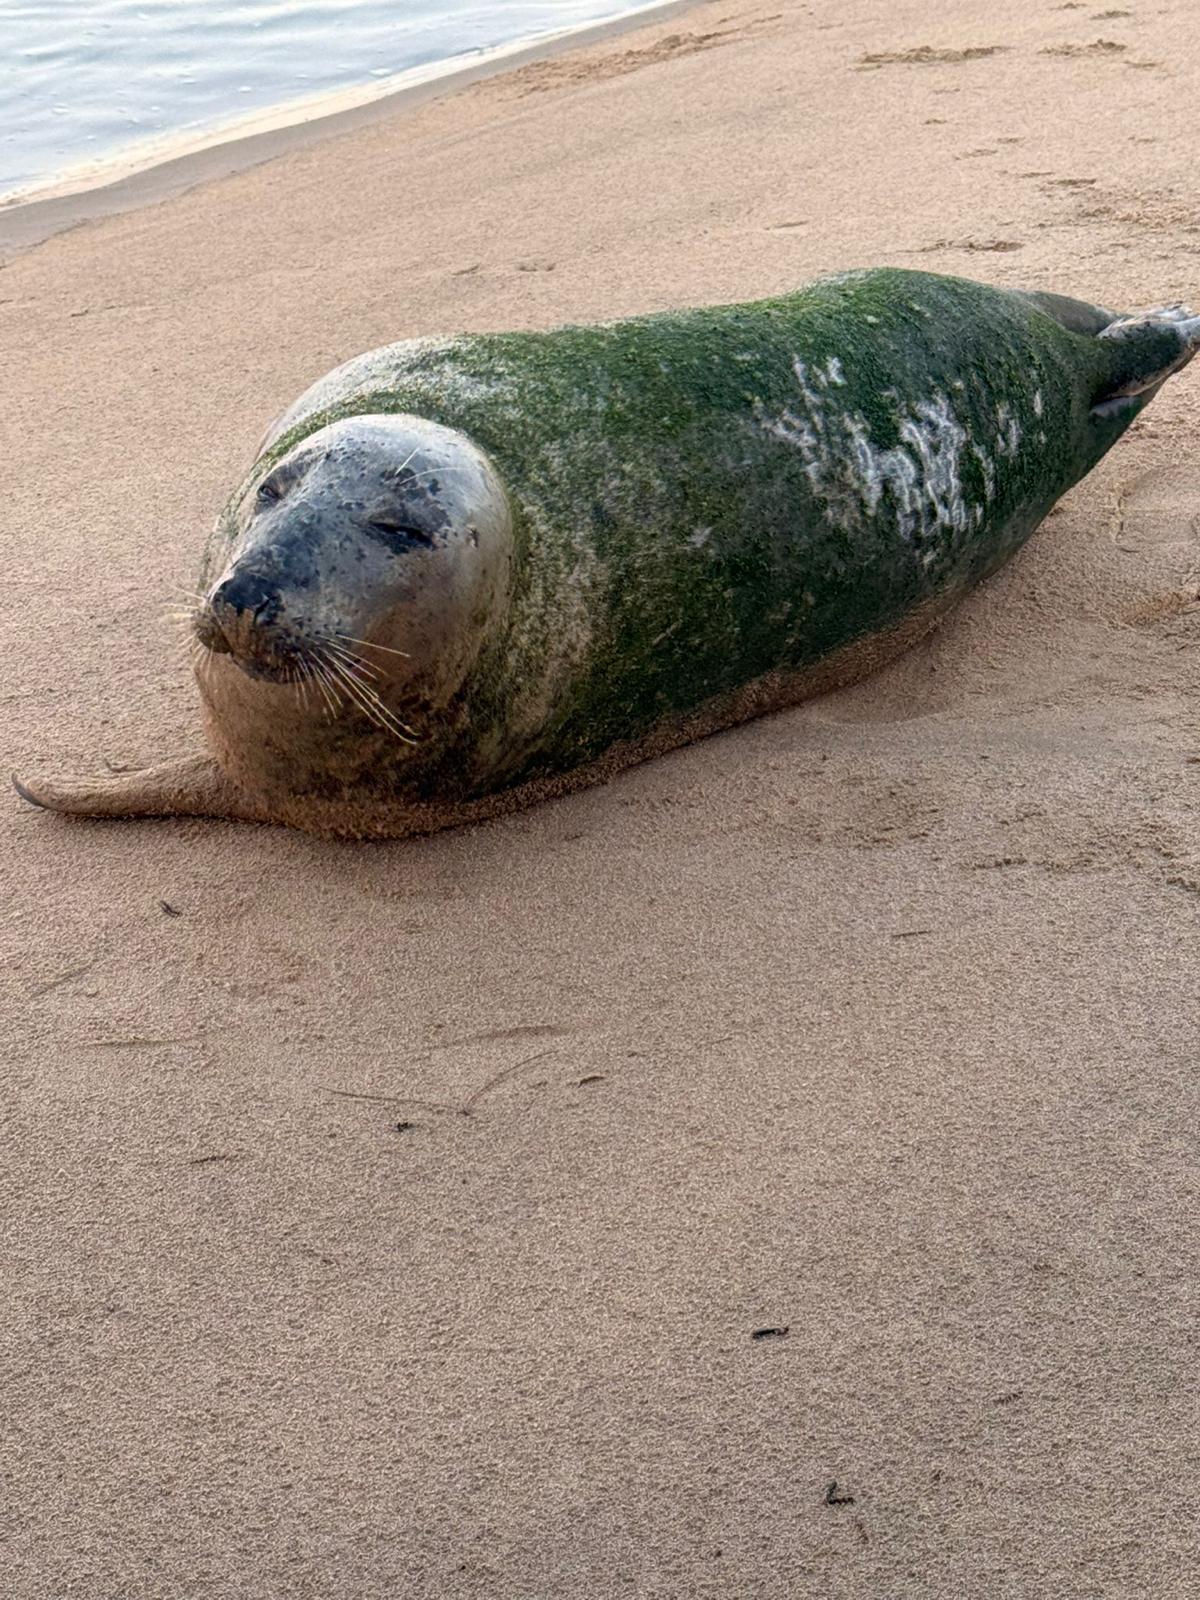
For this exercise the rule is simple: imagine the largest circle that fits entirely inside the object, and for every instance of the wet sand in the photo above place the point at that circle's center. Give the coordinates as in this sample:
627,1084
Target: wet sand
873,1020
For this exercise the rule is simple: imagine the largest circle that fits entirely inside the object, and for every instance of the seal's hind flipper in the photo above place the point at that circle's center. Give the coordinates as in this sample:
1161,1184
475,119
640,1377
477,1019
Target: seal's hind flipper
1146,347
195,787
1076,316
1145,351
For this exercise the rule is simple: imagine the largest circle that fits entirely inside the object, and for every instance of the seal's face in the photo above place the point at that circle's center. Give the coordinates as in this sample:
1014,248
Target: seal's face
377,531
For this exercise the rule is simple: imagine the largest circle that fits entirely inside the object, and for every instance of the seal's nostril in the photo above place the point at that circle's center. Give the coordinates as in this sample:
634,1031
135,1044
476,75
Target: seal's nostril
249,591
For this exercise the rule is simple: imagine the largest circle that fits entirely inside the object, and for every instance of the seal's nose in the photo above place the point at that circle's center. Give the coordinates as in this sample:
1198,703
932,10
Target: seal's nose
250,596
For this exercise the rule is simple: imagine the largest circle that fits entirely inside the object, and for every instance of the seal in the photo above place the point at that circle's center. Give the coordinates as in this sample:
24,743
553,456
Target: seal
465,574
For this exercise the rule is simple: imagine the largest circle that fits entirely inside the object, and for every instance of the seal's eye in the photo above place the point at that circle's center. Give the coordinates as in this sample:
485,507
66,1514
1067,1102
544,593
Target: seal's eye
268,493
400,535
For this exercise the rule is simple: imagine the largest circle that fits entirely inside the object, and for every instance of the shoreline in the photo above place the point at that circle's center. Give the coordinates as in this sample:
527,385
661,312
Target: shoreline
29,220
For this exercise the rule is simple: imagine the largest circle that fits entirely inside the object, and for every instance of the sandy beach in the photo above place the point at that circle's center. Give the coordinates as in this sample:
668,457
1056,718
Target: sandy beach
395,1220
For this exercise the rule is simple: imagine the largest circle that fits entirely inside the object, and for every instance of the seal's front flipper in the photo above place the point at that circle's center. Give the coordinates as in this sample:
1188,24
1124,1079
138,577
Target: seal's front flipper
195,787
1143,353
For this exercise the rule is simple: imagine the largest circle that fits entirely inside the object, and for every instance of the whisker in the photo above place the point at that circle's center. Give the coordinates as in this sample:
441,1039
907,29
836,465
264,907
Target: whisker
353,687
313,679
322,679
351,659
202,665
373,696
335,689
369,703
356,664
432,472
371,645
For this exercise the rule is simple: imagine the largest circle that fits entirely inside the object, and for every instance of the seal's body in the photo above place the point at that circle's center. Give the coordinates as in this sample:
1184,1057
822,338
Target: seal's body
465,573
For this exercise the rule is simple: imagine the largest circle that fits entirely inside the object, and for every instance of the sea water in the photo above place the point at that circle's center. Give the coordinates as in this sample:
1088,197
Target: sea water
86,85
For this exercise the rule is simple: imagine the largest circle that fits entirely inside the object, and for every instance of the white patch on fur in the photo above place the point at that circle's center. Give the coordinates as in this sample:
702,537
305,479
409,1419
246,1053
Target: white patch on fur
1008,436
850,474
1037,403
811,398
988,468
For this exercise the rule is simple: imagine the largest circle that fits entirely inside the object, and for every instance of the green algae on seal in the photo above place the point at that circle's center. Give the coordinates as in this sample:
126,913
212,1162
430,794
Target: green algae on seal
465,574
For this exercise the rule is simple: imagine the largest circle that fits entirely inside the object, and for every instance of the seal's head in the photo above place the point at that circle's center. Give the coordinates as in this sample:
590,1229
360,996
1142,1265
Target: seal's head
377,538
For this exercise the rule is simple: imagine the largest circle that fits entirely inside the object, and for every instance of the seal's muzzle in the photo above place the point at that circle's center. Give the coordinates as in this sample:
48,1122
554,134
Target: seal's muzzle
249,593
246,617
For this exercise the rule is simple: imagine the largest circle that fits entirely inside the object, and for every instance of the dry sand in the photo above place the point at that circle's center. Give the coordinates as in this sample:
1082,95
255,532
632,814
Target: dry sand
875,1019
